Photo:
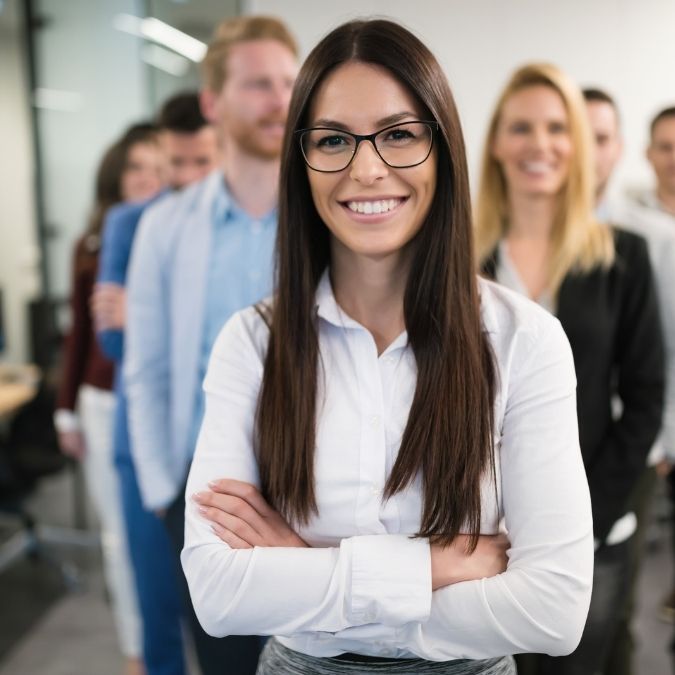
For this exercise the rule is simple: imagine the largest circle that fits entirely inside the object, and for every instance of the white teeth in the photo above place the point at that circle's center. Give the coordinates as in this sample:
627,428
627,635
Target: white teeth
536,167
380,206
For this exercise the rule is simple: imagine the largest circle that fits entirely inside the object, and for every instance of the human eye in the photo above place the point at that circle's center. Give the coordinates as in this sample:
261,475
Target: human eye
259,84
519,127
407,133
330,141
558,127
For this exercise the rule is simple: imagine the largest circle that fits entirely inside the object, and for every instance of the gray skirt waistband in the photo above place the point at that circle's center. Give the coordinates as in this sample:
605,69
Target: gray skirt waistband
279,660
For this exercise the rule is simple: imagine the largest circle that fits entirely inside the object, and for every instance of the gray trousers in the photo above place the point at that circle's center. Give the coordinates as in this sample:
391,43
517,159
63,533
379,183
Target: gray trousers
279,660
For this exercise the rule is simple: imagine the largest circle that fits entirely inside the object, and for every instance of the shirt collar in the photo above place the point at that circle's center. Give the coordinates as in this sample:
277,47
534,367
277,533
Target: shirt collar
225,208
328,309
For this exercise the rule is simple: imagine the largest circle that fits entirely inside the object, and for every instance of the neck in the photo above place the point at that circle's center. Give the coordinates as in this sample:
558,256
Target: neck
667,199
371,291
252,181
531,217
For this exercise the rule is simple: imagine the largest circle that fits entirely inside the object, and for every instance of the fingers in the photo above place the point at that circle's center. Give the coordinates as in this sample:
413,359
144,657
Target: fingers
231,539
249,493
240,530
223,508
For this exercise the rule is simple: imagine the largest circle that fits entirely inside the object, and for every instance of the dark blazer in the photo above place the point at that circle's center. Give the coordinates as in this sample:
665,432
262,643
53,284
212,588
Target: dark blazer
612,321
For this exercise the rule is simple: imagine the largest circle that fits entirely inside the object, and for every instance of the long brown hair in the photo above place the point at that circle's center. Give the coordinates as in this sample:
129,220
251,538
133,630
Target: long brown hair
448,436
108,187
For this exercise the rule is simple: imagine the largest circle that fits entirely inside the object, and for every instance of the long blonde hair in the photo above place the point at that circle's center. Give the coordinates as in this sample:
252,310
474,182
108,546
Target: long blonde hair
579,241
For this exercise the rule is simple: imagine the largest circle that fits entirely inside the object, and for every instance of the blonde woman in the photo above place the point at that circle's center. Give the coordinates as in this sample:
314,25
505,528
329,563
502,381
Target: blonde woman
536,234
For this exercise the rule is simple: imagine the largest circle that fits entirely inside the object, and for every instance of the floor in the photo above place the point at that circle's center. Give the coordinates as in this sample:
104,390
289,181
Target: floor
48,629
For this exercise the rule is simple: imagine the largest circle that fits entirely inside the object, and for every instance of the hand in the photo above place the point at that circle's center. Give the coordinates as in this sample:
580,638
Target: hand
663,468
109,306
452,564
72,444
241,517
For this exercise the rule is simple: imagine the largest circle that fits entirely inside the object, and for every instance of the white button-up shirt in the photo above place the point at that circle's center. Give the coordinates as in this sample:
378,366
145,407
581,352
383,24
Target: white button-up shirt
365,585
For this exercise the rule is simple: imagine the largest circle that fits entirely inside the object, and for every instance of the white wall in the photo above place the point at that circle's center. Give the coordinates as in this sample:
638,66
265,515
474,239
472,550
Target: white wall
19,254
624,46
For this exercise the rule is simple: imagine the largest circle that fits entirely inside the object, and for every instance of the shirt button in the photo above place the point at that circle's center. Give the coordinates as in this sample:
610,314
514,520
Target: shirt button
389,360
375,490
254,275
374,420
256,226
370,615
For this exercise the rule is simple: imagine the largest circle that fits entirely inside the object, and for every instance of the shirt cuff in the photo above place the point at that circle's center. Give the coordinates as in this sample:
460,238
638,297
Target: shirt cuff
158,489
391,579
66,421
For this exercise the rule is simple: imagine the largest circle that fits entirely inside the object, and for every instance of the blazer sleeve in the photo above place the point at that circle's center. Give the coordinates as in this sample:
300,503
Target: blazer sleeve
77,342
147,361
639,365
115,251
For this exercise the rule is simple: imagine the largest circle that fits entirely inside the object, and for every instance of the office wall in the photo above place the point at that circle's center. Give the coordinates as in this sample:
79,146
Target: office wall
624,46
19,253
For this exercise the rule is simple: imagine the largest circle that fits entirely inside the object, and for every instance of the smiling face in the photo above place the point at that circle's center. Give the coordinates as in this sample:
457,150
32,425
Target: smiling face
370,208
532,142
250,109
142,175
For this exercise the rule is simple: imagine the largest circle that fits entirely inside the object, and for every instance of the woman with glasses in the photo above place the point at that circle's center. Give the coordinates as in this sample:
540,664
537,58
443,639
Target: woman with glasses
369,427
536,234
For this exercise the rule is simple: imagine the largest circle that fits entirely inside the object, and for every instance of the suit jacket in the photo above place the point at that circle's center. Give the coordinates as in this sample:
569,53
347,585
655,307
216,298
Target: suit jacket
611,319
165,315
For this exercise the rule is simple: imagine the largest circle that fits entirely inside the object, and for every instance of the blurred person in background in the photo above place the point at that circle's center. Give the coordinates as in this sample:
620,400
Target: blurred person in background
200,255
661,155
128,172
537,234
605,125
190,152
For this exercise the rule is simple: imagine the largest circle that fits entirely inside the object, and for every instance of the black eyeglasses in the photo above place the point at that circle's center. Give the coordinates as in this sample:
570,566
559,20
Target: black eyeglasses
400,145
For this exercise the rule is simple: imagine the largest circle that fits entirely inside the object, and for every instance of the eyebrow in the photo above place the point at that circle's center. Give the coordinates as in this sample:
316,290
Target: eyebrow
380,124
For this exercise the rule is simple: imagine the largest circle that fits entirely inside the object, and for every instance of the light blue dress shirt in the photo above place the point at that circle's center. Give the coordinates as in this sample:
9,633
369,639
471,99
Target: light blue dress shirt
240,273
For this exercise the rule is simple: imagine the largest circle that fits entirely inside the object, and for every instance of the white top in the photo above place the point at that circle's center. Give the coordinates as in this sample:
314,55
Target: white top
365,587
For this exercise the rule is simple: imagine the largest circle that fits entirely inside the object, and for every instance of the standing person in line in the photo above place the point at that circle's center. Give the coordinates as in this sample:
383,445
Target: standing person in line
373,423
661,155
537,234
190,151
128,172
200,256
605,125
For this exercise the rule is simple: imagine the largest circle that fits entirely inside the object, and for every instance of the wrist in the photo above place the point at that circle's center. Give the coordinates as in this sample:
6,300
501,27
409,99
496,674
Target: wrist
66,421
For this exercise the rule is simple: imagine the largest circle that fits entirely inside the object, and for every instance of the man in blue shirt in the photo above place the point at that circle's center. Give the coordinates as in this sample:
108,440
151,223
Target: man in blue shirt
199,256
191,151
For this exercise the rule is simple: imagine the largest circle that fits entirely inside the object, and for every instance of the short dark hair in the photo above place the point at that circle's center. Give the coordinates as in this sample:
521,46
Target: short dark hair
182,114
662,115
593,95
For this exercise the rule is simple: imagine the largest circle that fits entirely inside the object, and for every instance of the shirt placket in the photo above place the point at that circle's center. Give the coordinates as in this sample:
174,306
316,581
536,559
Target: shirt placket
372,449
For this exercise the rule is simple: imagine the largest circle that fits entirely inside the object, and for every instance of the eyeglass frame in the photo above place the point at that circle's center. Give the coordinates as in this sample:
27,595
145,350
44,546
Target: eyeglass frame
432,124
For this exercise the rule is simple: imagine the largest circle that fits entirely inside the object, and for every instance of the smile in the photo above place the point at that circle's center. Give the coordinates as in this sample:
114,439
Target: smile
369,207
536,167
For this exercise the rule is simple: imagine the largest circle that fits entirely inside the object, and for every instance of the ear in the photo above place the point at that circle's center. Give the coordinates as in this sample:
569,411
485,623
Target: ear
207,103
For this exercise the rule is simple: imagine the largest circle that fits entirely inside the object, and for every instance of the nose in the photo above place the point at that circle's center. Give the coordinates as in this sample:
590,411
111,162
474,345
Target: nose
540,139
367,167
281,96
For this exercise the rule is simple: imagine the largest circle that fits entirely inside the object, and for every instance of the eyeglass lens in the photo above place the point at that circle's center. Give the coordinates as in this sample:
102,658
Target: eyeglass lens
404,145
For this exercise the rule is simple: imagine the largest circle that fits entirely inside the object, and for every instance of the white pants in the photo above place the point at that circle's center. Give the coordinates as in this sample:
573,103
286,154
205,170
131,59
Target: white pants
96,410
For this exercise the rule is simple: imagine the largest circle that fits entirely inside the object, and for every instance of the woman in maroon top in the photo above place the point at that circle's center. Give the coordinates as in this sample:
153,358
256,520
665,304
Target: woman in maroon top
129,171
